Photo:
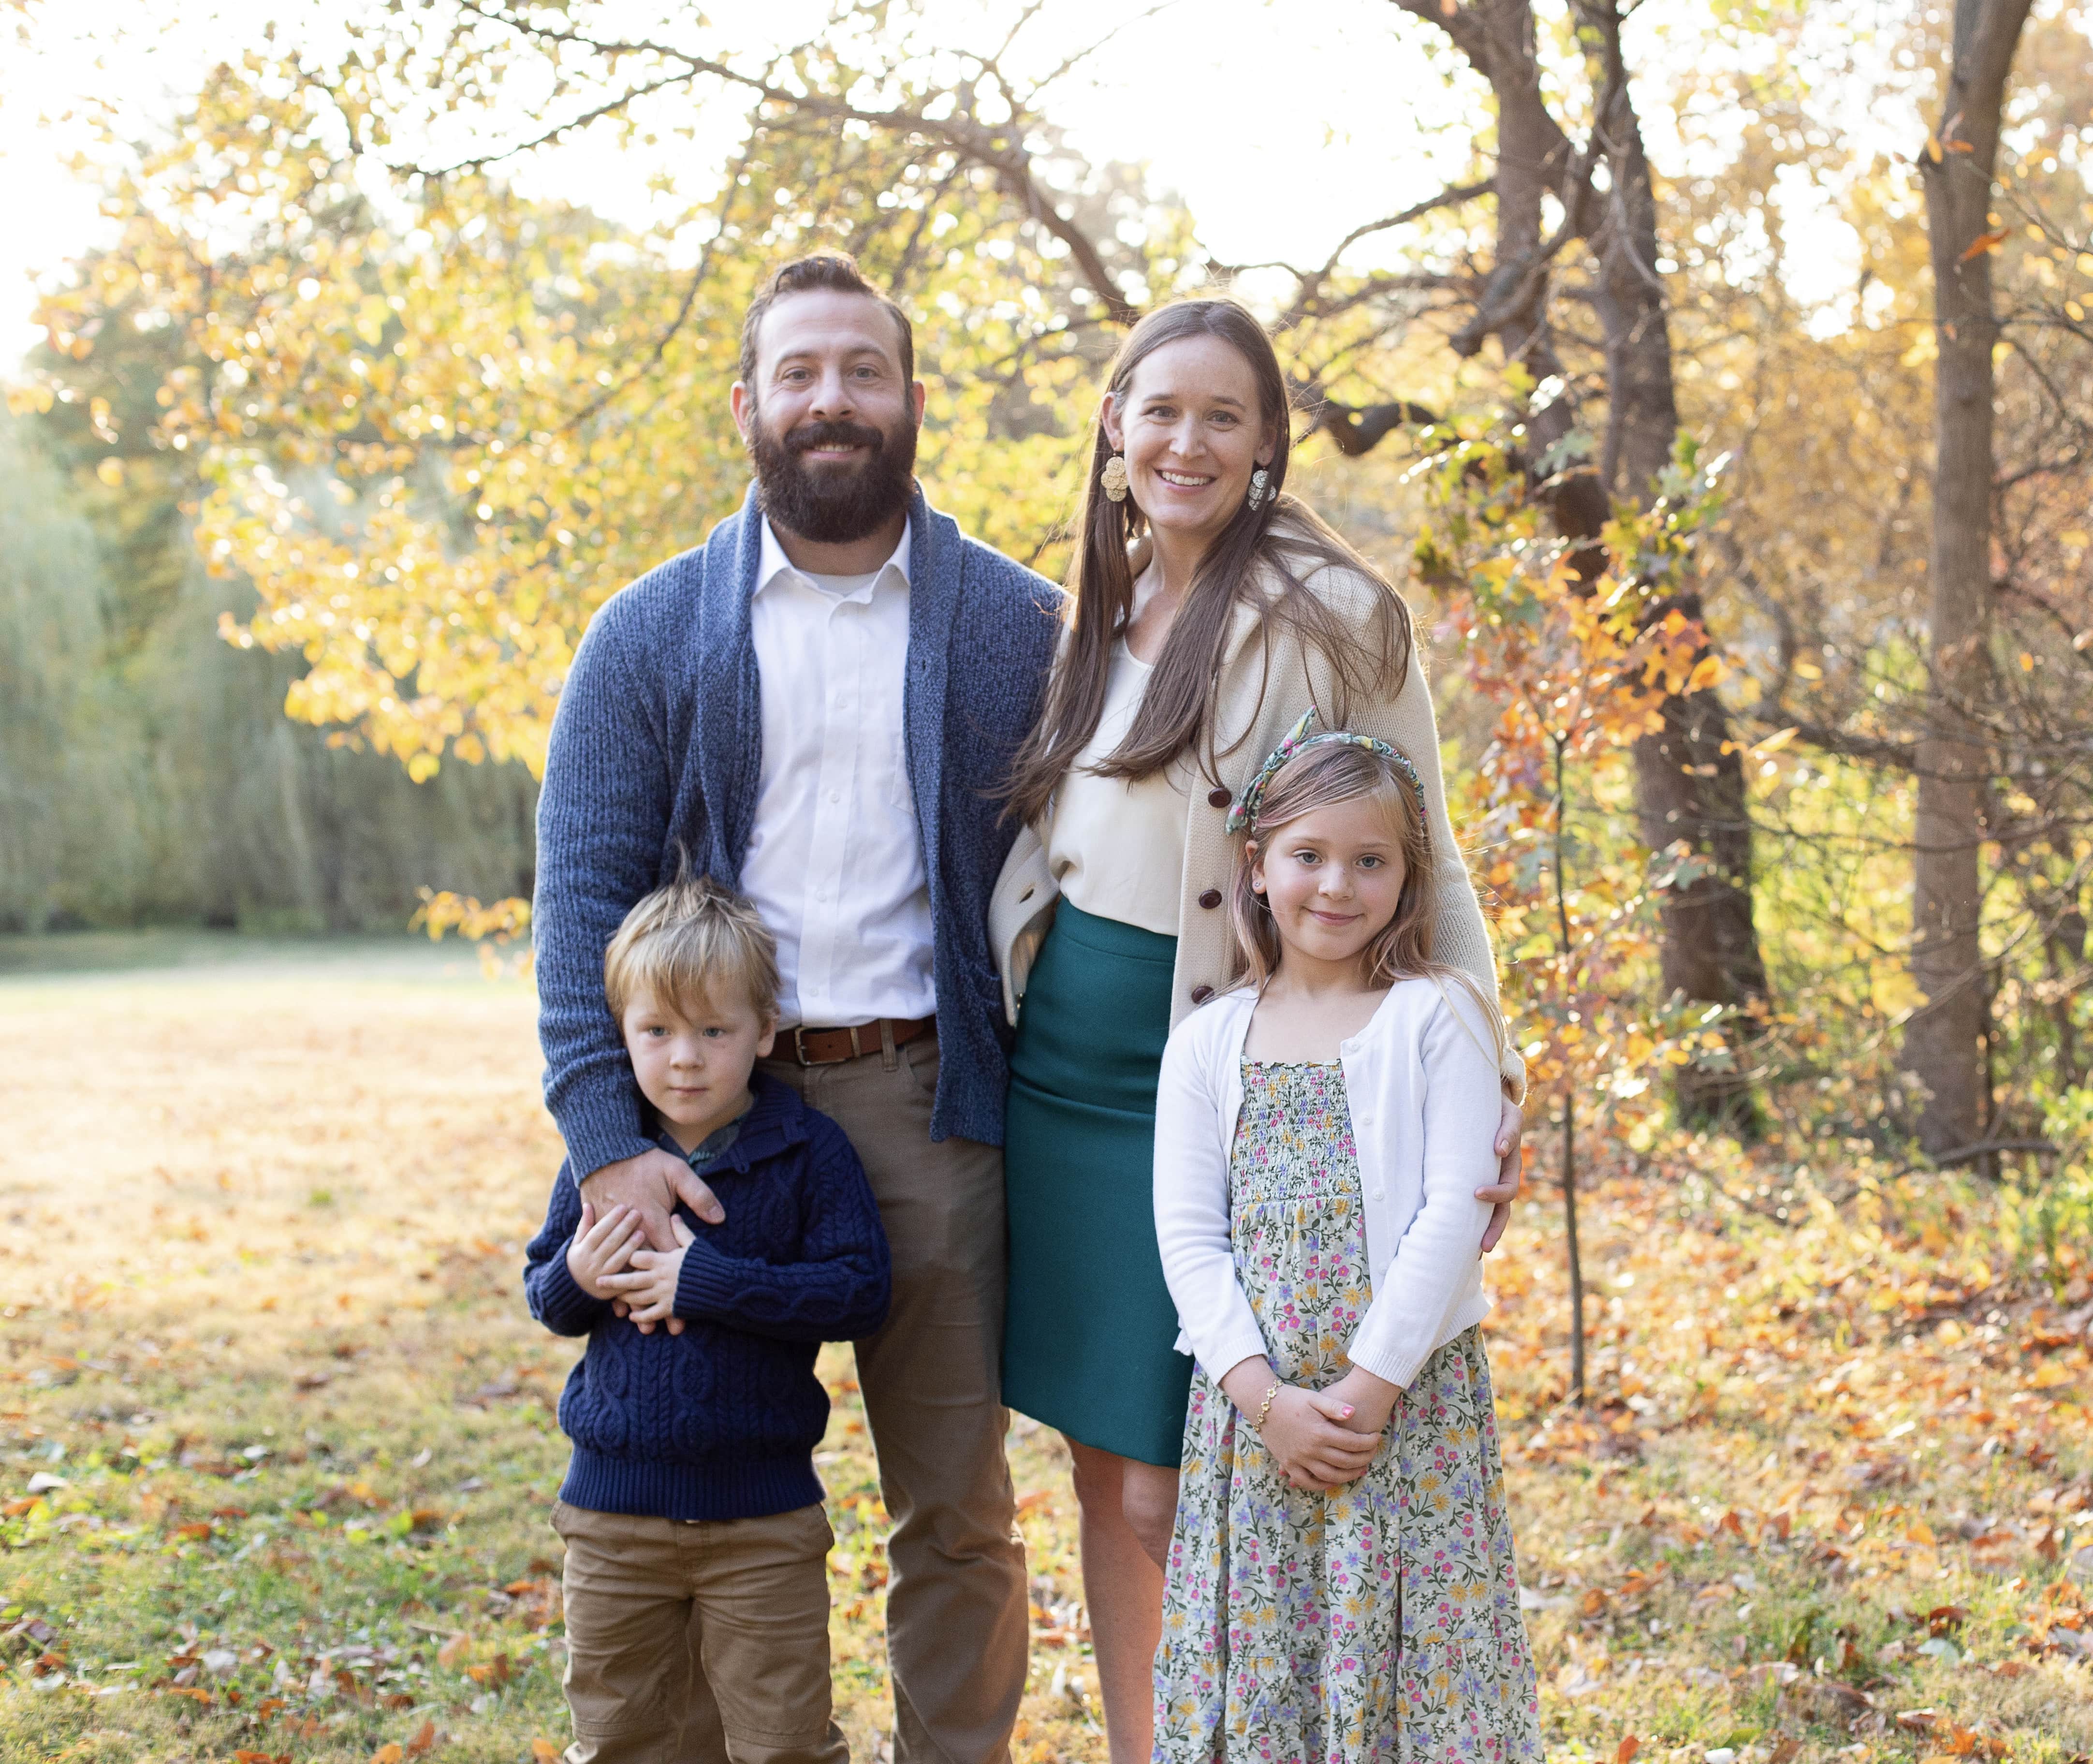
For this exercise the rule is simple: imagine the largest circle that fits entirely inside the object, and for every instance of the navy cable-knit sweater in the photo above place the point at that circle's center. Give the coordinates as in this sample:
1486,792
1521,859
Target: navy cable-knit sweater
657,751
722,1421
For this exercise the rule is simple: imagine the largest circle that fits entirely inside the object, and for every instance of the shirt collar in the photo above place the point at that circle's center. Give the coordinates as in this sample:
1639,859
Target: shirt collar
707,1149
773,560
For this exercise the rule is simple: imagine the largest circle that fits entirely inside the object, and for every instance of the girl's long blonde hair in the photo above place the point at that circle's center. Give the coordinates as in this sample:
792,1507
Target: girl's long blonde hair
1321,776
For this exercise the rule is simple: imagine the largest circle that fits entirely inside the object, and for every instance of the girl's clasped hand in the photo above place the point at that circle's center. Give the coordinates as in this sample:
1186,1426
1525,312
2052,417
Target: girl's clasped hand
609,1259
1320,1439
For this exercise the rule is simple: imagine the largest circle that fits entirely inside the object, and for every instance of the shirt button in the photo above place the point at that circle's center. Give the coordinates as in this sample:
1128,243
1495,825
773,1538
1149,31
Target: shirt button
1200,995
1211,899
835,796
1376,1193
1220,796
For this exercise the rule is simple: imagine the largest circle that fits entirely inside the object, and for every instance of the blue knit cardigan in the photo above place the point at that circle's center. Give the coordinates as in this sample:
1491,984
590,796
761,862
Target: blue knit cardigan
655,752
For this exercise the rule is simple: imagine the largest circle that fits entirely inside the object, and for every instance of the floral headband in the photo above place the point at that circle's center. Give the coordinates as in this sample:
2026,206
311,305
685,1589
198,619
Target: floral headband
1245,812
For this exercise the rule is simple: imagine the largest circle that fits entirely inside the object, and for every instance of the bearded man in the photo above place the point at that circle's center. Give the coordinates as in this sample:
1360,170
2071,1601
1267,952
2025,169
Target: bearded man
818,706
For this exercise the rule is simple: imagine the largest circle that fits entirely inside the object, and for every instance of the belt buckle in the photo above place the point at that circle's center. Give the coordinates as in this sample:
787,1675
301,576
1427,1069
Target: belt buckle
799,1045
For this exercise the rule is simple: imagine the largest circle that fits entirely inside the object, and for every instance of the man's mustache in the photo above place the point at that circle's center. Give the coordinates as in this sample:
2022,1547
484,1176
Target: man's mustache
809,435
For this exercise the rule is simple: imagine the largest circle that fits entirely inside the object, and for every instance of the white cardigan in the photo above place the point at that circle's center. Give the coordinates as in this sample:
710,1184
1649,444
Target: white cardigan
1422,1085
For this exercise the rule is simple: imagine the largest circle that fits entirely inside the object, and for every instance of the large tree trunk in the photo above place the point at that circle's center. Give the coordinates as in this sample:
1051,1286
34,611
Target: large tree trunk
1691,800
1943,1041
1690,796
1690,781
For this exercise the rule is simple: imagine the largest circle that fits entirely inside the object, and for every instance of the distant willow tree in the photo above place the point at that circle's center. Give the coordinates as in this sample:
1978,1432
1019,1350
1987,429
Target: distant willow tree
147,773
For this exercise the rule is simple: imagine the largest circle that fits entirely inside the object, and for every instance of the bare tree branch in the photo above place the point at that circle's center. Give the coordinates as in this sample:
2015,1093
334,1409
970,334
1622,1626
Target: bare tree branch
609,107
1308,301
1071,63
1359,429
698,277
999,148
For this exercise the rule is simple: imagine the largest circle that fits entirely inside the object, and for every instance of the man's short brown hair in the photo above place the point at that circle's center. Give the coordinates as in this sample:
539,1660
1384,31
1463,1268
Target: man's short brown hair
838,274
692,942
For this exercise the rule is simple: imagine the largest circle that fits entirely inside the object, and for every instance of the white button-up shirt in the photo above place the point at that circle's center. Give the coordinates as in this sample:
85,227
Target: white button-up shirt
834,862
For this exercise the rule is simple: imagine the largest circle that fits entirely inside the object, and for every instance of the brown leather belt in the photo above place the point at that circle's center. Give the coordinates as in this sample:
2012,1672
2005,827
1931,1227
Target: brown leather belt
827,1046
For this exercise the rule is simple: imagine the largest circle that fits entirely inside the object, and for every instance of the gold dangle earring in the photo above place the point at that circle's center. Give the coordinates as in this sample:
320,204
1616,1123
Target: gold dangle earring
1112,479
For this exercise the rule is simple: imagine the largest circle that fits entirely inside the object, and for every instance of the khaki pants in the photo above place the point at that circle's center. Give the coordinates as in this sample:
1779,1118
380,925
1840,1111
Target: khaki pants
956,1620
703,1643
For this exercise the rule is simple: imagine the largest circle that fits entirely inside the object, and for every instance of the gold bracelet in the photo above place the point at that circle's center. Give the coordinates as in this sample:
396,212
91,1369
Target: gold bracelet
1265,1408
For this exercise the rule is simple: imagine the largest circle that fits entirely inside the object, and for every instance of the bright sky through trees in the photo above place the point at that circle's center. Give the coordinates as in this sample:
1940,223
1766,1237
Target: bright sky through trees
1268,121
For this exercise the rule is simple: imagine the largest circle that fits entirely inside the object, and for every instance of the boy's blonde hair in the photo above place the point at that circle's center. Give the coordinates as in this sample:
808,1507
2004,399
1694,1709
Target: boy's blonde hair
1321,776
682,944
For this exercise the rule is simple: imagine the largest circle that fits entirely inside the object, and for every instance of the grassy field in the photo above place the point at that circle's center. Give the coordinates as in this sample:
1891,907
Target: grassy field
277,1445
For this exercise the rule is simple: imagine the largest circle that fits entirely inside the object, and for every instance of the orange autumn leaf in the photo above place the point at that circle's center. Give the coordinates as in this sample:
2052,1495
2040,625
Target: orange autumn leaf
1983,243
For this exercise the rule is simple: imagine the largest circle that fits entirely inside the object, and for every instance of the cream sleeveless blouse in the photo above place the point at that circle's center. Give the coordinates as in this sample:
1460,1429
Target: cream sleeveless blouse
1116,846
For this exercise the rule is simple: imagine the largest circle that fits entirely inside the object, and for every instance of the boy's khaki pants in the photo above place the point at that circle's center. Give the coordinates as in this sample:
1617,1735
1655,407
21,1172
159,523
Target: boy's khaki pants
698,1643
956,1609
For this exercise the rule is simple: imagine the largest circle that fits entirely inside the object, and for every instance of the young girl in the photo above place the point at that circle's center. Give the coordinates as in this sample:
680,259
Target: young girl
1341,1583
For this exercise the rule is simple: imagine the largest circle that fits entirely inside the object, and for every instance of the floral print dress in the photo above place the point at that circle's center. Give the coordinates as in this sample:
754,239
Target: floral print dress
1381,1621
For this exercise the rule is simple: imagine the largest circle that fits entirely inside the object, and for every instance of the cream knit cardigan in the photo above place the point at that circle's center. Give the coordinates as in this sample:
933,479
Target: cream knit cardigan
1264,688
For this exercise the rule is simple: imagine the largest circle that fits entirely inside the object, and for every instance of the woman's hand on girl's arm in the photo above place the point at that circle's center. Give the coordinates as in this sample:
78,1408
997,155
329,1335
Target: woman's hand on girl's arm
1511,1128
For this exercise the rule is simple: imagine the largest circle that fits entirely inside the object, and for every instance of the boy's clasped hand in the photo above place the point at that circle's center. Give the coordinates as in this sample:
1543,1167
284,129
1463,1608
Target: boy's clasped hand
609,1259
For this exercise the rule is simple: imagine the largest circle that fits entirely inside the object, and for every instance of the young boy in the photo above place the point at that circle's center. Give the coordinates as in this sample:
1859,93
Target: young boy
696,1577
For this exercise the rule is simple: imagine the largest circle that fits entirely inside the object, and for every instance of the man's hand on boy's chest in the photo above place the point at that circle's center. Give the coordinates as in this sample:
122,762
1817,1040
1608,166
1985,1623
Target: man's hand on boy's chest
762,1222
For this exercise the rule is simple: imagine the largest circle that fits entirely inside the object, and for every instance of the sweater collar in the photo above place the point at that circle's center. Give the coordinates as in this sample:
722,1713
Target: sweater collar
776,1120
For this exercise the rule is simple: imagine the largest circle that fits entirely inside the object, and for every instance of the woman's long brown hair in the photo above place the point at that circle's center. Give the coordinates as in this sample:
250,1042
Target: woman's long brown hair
1283,538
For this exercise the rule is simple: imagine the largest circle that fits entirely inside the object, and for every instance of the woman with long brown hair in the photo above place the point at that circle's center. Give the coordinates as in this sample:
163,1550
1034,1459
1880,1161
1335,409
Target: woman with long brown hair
1208,610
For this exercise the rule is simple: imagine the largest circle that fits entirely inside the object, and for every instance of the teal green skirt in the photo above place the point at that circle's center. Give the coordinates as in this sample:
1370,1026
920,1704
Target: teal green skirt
1088,1334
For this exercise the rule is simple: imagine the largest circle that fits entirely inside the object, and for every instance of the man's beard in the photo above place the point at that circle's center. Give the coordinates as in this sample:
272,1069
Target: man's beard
832,504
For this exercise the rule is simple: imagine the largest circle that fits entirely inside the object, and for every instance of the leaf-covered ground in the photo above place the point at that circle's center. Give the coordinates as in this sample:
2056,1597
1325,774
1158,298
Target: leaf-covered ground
276,1443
